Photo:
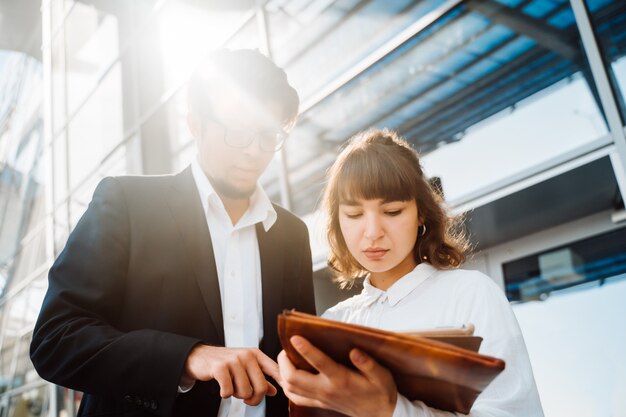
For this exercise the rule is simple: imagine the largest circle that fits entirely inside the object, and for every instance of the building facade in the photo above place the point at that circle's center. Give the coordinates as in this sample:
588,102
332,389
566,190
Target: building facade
517,106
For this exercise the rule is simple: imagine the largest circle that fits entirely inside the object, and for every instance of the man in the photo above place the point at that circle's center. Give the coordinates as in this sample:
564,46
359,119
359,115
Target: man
169,284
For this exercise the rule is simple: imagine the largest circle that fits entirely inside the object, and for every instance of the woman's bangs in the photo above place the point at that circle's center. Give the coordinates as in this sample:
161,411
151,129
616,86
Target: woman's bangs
373,177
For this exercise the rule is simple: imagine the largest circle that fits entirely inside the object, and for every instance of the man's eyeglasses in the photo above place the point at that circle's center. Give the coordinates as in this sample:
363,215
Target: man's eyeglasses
269,140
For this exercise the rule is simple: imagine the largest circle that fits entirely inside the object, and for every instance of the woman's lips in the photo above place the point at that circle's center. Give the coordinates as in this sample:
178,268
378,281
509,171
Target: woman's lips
375,253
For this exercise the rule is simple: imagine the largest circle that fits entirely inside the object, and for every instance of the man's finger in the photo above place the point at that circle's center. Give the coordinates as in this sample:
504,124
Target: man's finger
268,366
258,381
315,357
271,389
241,382
222,376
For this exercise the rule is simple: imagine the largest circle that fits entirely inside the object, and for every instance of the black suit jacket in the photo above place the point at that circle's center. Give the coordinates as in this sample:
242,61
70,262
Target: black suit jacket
136,287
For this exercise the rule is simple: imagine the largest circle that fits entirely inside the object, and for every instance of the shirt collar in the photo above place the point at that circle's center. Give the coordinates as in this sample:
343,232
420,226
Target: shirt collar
401,288
370,293
260,209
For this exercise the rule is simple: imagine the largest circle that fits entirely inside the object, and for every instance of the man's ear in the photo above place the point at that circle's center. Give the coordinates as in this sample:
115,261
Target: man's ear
193,122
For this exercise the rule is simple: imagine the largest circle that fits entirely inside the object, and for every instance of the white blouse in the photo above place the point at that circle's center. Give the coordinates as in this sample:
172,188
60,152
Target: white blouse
427,298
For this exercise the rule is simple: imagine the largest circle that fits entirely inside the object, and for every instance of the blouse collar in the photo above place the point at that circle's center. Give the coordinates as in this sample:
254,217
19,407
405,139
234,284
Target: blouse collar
401,288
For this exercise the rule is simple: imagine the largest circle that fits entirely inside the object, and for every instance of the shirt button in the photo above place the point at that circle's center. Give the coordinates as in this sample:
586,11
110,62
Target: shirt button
233,316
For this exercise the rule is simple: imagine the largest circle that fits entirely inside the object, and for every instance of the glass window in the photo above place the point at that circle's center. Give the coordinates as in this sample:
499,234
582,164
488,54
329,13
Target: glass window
91,46
58,10
182,137
519,139
81,198
575,341
576,335
590,260
116,163
97,128
475,80
9,337
32,253
342,36
5,268
133,157
60,168
57,79
31,403
68,401
22,308
619,69
6,355
61,228
184,156
24,369
27,216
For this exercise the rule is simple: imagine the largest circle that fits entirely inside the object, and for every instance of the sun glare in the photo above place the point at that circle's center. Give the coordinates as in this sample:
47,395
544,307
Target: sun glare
187,33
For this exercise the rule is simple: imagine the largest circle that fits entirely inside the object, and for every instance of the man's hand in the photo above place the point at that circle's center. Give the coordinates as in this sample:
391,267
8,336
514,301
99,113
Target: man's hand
368,391
240,372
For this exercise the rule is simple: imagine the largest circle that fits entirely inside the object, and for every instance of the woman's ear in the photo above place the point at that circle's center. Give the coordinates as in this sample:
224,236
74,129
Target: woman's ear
420,218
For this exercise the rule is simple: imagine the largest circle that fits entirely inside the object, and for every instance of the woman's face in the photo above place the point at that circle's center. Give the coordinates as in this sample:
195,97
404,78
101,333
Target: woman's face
381,235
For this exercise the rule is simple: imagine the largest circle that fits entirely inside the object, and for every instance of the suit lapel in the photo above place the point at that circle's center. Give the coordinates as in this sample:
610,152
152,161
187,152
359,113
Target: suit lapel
191,220
272,276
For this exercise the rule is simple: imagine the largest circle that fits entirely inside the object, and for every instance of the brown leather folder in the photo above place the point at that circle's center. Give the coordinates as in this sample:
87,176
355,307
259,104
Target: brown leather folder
440,374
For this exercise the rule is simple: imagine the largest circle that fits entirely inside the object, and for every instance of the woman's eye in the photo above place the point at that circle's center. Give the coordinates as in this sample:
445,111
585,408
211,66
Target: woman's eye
352,215
393,212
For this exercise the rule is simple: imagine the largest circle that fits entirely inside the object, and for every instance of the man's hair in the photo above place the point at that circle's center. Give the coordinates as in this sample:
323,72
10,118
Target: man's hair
249,72
378,164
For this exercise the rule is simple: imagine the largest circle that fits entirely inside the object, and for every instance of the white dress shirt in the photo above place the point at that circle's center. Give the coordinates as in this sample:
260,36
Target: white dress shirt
427,298
239,272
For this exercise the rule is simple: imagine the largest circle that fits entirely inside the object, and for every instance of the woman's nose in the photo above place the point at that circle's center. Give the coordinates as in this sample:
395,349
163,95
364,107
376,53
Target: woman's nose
373,228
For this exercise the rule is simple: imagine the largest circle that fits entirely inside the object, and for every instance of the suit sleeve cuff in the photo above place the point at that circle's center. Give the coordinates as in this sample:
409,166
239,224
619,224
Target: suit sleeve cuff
185,384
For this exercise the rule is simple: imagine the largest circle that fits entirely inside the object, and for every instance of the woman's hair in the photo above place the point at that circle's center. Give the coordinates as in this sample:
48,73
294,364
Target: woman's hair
378,164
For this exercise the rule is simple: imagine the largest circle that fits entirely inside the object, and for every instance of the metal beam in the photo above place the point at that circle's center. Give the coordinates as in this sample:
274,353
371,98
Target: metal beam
545,35
379,54
606,91
475,108
405,104
304,47
397,90
525,59
266,45
20,26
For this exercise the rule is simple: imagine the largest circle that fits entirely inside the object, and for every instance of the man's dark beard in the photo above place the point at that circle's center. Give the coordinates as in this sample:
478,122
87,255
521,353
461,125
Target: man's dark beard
223,188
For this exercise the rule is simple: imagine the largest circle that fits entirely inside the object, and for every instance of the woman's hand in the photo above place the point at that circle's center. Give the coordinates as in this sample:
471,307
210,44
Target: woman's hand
368,391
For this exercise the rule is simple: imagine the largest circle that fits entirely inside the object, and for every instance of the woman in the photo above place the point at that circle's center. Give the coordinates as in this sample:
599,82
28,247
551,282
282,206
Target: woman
386,223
